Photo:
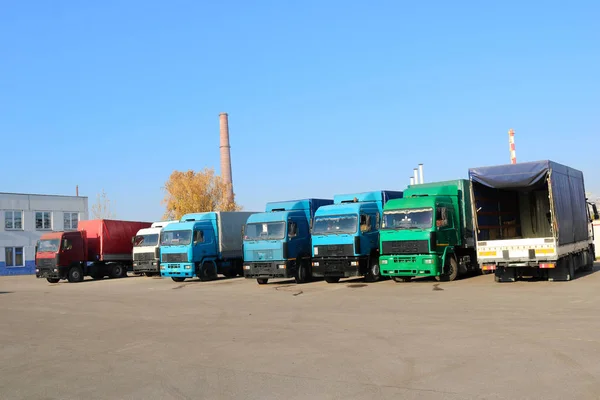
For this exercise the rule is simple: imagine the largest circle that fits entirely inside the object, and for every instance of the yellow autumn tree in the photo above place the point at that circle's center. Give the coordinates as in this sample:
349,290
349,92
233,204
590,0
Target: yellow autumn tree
190,192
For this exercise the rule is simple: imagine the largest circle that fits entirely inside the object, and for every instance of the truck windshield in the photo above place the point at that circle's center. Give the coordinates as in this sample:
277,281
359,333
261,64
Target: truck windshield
146,240
410,218
335,224
176,238
48,245
265,231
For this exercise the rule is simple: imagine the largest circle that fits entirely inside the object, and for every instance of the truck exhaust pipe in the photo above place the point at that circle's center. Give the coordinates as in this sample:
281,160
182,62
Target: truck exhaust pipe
421,173
416,176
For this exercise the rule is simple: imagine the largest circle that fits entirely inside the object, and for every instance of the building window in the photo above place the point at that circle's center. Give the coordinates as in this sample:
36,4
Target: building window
13,257
71,220
43,220
13,220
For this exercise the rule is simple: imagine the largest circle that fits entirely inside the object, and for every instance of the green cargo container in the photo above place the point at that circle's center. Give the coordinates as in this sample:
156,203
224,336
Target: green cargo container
429,232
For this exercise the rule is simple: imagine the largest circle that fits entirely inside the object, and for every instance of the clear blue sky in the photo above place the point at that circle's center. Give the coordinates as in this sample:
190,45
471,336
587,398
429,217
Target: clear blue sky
324,97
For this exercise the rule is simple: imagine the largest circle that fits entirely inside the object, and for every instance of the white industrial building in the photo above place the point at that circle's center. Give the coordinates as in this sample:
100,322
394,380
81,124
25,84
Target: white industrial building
26,217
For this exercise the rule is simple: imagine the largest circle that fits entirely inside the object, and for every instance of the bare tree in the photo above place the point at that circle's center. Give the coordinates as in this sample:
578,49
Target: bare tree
102,208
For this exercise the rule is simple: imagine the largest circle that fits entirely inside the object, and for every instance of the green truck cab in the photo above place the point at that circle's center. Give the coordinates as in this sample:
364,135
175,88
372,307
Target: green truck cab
429,232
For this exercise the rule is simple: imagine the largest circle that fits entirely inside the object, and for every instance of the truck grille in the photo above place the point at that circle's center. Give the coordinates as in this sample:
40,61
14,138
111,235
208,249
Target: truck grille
143,256
46,262
334,250
405,247
174,257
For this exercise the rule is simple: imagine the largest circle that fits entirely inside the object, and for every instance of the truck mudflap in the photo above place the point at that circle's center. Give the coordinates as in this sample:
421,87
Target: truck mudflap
270,269
141,267
340,267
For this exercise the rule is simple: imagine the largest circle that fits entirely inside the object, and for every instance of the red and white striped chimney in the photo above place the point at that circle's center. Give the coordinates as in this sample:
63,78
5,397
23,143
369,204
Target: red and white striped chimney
511,145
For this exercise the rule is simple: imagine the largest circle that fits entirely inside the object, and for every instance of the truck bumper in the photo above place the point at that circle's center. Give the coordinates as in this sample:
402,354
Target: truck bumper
51,272
412,265
141,267
339,267
270,270
177,270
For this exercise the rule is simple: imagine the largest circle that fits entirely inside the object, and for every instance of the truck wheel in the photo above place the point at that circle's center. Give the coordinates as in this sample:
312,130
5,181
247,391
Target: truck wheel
149,274
117,271
301,272
402,278
75,274
374,274
450,271
262,281
206,272
53,280
177,279
332,279
590,257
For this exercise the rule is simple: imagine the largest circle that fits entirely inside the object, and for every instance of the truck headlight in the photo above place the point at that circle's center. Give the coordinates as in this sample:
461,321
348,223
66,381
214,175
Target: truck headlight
428,261
55,269
188,267
246,267
281,266
384,262
316,251
162,267
315,264
354,263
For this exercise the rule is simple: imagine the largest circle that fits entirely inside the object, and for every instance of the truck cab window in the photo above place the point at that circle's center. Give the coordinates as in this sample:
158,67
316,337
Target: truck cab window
441,219
365,223
67,245
198,237
292,229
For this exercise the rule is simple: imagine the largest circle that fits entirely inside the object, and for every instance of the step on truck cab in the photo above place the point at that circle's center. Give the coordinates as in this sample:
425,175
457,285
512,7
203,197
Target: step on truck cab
345,236
429,232
277,242
146,249
98,248
532,221
203,245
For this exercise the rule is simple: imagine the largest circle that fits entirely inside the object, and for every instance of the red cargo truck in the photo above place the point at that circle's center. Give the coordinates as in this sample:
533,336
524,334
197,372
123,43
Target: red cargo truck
98,248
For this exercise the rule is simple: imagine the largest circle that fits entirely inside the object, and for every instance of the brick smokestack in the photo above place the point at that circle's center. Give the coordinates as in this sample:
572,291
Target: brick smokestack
226,154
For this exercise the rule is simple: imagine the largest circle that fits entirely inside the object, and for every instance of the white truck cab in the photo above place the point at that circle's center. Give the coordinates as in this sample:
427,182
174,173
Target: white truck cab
146,249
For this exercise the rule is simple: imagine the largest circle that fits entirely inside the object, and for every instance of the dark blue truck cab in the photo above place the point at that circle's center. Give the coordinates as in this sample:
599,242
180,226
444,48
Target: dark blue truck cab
345,236
277,242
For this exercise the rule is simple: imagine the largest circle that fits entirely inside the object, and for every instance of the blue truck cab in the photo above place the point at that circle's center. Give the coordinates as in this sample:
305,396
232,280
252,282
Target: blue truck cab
345,236
277,242
203,245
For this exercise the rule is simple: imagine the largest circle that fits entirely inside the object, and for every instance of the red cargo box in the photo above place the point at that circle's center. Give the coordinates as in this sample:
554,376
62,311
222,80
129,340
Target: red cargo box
110,240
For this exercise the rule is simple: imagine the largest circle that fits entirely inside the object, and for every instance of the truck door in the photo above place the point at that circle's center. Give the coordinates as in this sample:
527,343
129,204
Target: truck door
369,230
298,238
444,222
204,243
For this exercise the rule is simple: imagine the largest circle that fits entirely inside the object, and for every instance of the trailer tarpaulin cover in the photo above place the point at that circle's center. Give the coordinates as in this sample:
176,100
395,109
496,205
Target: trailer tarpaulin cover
568,191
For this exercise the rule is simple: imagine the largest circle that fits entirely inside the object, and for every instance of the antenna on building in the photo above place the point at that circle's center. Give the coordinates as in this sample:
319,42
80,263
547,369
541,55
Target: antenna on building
511,146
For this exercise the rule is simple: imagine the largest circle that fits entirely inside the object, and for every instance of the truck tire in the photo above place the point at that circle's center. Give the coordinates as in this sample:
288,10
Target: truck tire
149,274
207,271
332,279
117,271
402,279
262,281
177,279
52,280
373,275
450,271
75,275
590,257
302,272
